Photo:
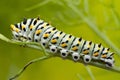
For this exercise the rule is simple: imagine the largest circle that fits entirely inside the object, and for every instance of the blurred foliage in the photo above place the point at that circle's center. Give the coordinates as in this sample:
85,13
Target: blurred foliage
97,20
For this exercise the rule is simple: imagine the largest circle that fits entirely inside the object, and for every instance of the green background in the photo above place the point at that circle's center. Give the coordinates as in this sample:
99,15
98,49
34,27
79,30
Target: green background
95,20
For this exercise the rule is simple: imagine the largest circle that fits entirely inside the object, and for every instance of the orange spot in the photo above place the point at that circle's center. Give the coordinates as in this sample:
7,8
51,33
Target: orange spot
95,54
38,32
31,27
14,28
75,48
86,52
104,56
46,35
53,41
23,27
17,30
63,45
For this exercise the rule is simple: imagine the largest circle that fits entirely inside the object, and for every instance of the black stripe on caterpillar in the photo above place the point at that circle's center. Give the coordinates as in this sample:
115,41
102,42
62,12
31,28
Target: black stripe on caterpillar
36,30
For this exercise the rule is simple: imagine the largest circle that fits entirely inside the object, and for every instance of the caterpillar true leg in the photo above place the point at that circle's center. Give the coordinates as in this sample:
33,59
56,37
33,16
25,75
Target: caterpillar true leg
89,72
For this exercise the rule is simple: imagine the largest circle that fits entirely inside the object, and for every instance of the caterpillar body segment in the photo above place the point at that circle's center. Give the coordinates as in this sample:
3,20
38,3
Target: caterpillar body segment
58,42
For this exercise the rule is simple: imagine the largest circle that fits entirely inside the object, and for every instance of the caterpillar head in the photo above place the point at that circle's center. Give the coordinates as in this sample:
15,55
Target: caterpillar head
17,35
64,53
75,56
87,58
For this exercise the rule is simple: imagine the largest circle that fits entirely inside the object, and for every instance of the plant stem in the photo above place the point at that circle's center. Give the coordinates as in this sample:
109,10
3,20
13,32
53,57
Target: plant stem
90,72
115,69
28,64
38,5
80,77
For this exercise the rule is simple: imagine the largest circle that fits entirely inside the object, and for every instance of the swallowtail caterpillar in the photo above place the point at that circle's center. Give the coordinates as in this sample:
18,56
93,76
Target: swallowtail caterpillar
58,42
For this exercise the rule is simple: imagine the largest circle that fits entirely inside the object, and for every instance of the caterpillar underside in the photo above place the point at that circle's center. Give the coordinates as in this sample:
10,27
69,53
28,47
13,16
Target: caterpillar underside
58,42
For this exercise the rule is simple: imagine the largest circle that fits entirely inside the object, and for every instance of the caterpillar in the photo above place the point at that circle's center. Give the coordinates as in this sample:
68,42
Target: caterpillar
58,42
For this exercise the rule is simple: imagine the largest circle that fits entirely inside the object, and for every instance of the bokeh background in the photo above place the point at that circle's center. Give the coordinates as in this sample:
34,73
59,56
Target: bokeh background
95,20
